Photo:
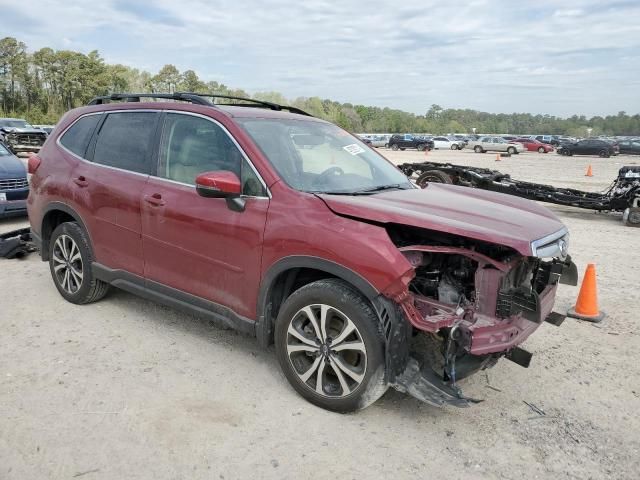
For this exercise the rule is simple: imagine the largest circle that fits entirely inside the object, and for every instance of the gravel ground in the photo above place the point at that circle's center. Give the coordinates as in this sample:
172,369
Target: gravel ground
125,388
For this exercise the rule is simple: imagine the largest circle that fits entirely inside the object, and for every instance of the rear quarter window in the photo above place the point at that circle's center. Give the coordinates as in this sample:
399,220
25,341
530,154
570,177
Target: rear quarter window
76,139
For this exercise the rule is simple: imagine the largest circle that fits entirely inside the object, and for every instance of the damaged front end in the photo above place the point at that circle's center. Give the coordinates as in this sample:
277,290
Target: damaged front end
469,303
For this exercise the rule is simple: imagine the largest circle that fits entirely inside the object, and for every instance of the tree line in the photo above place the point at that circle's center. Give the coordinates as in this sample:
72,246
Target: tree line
41,85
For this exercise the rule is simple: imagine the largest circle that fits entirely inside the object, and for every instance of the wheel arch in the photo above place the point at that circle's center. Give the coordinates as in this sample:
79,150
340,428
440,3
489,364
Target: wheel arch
56,213
290,273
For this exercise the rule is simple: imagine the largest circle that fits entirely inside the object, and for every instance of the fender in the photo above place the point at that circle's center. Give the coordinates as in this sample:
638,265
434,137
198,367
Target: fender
63,207
264,325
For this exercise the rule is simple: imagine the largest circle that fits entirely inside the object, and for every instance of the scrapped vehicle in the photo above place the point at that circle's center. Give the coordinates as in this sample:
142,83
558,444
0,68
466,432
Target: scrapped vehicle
495,144
21,137
290,229
45,128
14,185
402,142
533,145
629,147
444,143
623,195
589,146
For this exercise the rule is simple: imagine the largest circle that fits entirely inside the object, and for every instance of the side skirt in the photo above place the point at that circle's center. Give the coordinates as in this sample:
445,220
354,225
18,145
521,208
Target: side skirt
174,298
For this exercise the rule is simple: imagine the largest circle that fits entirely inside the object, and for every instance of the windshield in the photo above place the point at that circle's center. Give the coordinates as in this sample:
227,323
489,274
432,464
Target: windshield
322,158
15,124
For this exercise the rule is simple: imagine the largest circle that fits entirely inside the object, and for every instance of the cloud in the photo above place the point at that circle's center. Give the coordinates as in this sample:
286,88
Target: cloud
493,55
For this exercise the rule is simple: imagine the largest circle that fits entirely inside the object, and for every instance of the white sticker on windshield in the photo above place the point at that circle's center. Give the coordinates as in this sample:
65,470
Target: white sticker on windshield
353,149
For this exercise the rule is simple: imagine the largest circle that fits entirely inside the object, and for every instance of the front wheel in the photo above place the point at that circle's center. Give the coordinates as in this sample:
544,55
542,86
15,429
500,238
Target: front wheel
511,151
422,147
70,259
541,150
477,149
330,346
454,147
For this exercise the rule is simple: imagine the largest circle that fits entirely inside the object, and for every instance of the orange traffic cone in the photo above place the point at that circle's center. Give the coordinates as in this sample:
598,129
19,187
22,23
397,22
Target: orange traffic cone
589,172
586,307
497,157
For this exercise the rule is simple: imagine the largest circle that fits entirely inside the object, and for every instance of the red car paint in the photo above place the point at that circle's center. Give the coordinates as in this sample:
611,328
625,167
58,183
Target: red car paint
534,145
165,233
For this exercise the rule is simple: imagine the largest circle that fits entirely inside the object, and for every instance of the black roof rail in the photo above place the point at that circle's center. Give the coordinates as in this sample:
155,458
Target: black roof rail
195,98
260,103
135,97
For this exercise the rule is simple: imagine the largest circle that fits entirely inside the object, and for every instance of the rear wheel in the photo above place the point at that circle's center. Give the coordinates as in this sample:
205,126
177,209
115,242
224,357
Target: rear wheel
478,149
604,154
394,147
70,259
433,176
541,150
511,150
330,346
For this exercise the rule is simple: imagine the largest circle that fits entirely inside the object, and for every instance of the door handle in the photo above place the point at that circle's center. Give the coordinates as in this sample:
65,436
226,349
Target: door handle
155,200
81,181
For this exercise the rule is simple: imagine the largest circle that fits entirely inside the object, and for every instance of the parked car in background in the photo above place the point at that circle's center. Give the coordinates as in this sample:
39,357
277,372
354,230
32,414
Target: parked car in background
495,144
544,138
589,146
20,136
533,145
630,147
14,186
379,140
444,143
402,142
45,128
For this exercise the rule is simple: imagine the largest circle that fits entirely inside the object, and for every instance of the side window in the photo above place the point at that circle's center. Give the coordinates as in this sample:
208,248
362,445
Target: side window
191,145
76,138
125,141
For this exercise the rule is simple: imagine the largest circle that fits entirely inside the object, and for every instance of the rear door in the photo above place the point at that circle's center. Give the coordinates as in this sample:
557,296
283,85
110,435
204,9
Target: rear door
107,187
200,245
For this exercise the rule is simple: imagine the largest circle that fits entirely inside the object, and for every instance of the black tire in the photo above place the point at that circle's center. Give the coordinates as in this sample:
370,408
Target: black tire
422,147
433,176
345,300
604,154
454,147
541,150
394,147
511,151
478,149
88,289
401,148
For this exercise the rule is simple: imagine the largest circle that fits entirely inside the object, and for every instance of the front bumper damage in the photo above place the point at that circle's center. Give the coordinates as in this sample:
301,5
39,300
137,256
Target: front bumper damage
501,318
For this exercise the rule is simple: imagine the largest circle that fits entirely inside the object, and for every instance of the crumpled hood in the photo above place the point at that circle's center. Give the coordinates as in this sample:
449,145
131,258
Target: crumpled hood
11,167
468,212
23,130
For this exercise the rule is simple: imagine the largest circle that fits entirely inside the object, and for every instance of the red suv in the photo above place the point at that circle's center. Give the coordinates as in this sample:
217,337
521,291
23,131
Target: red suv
290,229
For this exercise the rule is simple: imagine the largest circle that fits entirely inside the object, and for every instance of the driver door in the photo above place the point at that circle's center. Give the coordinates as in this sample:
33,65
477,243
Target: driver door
200,245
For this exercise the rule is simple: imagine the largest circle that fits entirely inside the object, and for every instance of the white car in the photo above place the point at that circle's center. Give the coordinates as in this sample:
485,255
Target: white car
443,143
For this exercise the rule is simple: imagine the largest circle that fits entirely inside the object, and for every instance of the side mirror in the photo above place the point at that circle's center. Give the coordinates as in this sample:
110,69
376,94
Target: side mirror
219,184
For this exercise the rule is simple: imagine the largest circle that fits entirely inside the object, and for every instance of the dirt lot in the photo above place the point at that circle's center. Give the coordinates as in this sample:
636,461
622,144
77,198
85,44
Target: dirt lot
128,389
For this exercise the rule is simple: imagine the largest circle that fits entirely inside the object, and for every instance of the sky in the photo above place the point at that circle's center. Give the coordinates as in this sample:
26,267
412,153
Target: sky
550,57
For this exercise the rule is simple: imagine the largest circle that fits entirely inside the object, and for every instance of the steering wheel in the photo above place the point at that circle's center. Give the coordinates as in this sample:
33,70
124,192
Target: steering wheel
330,171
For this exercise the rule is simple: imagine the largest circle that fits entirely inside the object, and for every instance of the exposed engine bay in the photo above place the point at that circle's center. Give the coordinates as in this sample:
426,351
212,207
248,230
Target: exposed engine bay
472,302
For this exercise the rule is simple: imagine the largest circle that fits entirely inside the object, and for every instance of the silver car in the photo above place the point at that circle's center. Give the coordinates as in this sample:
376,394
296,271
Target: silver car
495,144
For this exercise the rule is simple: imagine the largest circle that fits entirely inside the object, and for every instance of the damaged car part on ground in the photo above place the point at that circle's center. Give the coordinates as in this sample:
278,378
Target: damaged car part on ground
623,195
292,230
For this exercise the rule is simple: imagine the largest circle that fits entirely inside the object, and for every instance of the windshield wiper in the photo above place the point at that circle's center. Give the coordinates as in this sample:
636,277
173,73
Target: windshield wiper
379,188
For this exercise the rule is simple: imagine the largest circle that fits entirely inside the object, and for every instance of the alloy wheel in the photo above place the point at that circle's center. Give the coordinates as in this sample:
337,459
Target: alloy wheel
67,264
326,350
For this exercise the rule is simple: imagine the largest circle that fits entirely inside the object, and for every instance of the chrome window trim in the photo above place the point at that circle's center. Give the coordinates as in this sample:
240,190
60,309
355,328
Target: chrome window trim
240,149
59,144
244,155
548,246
